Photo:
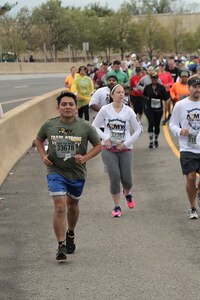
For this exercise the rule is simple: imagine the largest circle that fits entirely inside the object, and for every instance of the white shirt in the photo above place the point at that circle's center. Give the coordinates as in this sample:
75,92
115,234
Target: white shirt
100,97
186,114
117,125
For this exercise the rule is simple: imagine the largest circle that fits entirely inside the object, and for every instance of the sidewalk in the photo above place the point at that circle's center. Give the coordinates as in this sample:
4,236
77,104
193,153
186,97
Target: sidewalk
150,253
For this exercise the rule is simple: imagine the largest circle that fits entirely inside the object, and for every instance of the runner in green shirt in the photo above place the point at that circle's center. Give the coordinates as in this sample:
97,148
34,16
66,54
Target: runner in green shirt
66,158
121,76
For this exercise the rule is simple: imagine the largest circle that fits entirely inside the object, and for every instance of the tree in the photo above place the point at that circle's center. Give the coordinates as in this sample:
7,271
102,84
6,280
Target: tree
132,7
176,29
98,10
6,8
135,41
147,7
11,38
188,42
182,7
91,34
156,36
156,6
123,21
76,27
197,39
107,35
48,19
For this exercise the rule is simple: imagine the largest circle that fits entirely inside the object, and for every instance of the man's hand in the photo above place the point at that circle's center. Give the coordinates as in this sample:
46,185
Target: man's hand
46,160
80,159
184,132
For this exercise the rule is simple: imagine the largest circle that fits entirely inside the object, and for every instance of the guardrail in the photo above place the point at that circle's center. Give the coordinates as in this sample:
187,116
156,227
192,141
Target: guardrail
37,68
19,126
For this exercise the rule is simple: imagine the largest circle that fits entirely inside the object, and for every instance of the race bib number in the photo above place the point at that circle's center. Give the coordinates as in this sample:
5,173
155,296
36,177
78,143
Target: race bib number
155,103
117,131
191,140
116,137
65,149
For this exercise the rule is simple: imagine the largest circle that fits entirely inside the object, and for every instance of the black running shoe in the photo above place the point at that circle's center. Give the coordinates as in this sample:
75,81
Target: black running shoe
156,144
61,253
151,145
70,245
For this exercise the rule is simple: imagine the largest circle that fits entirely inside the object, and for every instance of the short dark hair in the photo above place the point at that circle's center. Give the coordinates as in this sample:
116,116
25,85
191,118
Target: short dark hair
116,62
82,67
138,69
66,94
112,76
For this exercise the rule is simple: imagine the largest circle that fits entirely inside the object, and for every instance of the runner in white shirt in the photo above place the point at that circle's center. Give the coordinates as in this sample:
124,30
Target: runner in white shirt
185,124
118,119
101,96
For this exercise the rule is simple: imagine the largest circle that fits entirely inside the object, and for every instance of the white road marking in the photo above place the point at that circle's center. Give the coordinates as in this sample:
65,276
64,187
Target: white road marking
21,86
16,100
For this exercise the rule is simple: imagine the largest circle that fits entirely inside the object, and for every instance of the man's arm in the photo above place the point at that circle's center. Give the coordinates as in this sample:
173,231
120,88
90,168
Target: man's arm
174,123
40,147
94,101
95,107
81,159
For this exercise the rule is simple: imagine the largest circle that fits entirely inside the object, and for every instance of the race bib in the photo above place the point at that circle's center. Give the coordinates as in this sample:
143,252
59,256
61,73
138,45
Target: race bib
65,149
116,137
117,131
155,103
191,140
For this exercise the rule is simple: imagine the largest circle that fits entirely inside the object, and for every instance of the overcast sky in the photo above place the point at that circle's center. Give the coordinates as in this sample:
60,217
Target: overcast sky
114,4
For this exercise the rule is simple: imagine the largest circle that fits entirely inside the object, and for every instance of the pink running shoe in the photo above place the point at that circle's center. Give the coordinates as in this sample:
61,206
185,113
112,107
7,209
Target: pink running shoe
116,213
129,200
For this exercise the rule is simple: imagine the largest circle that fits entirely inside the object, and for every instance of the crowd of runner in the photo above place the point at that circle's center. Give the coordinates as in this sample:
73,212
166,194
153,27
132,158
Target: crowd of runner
119,93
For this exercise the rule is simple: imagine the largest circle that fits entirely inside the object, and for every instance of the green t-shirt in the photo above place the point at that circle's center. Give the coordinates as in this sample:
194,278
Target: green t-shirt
64,142
121,76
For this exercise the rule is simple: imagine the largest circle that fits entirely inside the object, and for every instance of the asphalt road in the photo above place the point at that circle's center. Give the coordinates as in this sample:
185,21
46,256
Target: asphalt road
150,253
17,89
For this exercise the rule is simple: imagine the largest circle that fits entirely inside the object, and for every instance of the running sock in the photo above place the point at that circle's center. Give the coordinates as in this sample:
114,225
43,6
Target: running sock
70,233
61,243
129,193
151,136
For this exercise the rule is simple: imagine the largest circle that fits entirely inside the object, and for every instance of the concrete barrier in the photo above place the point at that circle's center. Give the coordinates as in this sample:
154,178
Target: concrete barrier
37,68
19,126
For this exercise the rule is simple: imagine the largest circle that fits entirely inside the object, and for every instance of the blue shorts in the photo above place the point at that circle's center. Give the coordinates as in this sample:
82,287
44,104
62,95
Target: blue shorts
60,186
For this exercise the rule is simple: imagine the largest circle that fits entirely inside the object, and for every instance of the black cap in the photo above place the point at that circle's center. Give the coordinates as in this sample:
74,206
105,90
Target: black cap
194,80
112,76
162,64
137,69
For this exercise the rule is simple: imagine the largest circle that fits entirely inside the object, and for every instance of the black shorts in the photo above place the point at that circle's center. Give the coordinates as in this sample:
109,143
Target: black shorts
138,104
168,95
190,162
